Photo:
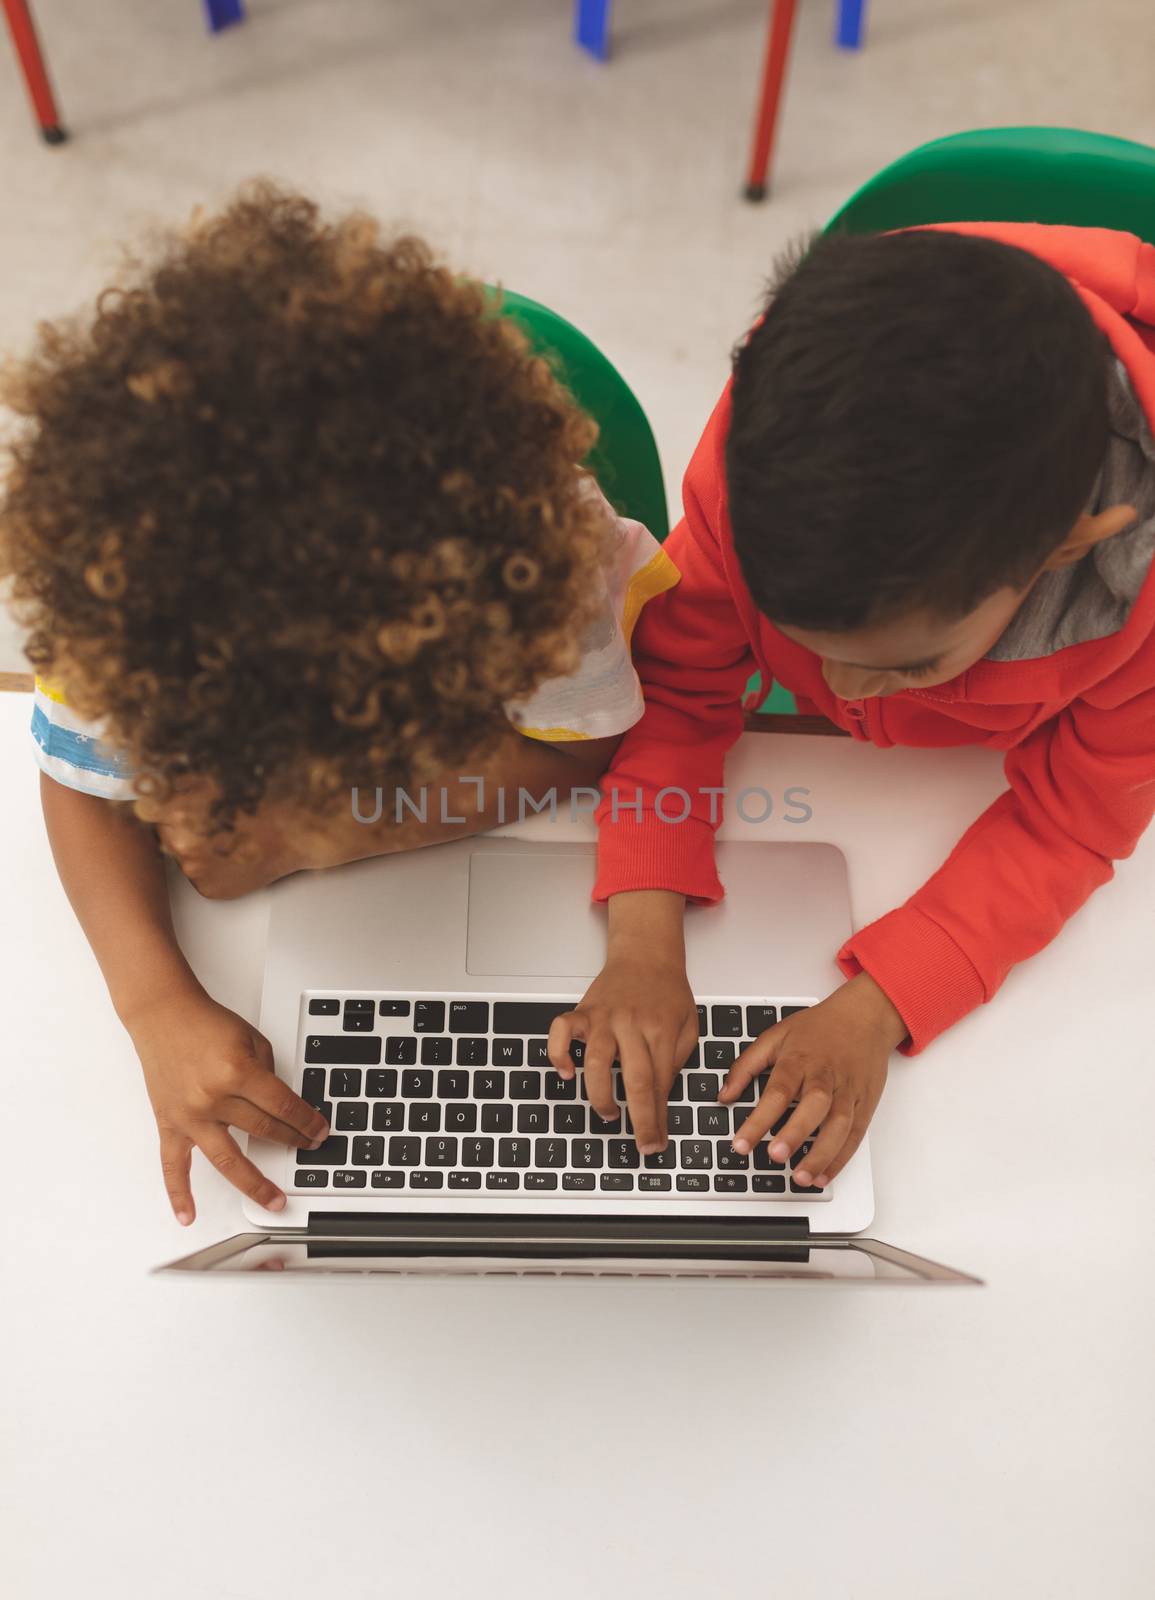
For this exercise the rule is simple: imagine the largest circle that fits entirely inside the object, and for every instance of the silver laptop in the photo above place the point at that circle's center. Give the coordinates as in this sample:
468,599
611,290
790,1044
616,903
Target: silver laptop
409,998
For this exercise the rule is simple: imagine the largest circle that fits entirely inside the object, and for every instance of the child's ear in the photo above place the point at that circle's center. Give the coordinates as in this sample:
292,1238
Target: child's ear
1091,529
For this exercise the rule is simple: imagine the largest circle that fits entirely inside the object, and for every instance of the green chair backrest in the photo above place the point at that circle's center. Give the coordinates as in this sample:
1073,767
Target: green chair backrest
625,458
1058,175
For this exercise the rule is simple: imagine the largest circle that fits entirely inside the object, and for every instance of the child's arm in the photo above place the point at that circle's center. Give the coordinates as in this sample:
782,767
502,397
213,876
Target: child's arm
205,1067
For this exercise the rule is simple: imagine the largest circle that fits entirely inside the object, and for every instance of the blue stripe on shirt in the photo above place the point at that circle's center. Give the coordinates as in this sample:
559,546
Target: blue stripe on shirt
78,750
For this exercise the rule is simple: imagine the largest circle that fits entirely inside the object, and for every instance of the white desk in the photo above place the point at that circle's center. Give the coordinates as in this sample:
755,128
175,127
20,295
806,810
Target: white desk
236,1440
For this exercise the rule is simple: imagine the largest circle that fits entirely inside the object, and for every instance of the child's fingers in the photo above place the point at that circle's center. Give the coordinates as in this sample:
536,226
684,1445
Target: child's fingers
222,1150
643,1065
264,1090
175,1163
563,1031
598,1066
754,1059
782,1088
826,1175
254,1120
812,1107
831,1137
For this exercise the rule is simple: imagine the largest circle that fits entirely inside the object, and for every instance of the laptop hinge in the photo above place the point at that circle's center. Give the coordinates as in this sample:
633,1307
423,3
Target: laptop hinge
494,1229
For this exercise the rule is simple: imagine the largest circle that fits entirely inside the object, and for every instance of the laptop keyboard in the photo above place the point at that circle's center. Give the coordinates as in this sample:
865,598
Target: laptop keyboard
429,1094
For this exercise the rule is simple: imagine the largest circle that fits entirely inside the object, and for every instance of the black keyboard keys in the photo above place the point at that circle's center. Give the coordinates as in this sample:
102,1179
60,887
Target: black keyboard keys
349,1180
577,1180
726,1021
617,1180
429,1016
418,1084
453,1085
488,1085
496,1118
324,1008
441,1152
522,1085
469,1016
472,1052
343,1049
477,1152
769,1183
759,1018
558,1088
513,1152
587,1152
425,1117
352,1117
344,1083
696,1153
507,1053
622,1153
388,1116
368,1152
569,1119
394,1008
404,1152
437,1052
533,1119
426,1180
461,1119
702,1085
718,1053
400,1050
387,1180
313,1086
333,1153
549,1153
713,1120
381,1084
465,1180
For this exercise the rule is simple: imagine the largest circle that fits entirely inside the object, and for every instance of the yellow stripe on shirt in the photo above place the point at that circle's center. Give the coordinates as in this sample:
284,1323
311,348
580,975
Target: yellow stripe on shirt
658,575
553,735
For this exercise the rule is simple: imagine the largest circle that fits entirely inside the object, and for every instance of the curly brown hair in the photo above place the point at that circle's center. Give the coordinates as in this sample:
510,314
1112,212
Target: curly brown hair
296,506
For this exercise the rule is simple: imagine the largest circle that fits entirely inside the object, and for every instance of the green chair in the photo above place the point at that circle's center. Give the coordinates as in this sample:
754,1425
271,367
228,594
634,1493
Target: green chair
625,458
1056,175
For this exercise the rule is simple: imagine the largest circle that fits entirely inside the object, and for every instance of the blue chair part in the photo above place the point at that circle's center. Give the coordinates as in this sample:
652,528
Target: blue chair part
224,13
591,27
850,24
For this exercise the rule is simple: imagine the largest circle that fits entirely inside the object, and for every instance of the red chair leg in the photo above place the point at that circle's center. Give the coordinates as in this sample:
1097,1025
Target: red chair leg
774,70
23,31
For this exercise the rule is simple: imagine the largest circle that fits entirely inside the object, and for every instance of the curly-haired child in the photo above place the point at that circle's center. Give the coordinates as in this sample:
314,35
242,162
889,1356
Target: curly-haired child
296,511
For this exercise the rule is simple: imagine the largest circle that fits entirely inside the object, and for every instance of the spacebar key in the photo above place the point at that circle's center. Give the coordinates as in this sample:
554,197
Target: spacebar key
527,1016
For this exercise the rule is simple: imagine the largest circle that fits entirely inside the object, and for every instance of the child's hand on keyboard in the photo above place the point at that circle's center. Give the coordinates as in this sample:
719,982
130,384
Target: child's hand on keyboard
640,1011
831,1058
207,1070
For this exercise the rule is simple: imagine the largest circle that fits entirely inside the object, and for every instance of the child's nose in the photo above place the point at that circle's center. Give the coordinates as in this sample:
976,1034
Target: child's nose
853,683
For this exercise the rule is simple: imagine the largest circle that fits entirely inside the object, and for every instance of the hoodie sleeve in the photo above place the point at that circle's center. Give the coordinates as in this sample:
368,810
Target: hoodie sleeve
657,817
1082,791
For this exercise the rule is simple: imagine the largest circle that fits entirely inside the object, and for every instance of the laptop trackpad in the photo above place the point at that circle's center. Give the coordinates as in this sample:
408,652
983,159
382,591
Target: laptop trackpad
530,915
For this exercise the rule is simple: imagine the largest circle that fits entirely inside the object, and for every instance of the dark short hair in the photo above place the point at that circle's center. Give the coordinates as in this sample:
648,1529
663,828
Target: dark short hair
918,420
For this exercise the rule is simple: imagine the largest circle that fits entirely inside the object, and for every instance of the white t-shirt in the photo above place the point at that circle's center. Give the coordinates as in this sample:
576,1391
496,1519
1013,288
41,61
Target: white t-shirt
601,697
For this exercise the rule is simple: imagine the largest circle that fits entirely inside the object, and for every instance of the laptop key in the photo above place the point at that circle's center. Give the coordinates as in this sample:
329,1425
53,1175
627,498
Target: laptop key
324,1008
719,1054
729,1159
679,1119
792,1011
387,1180
730,1182
762,1161
655,1182
401,1050
507,1052
549,1153
477,1152
759,1018
368,1152
623,1153
513,1152
696,1153
465,1180
355,1022
333,1153
344,1083
800,1154
538,1055
381,1083
617,1180
469,1016
310,1178
662,1158
577,1180
343,1049
676,1093
350,1180
388,1116
472,1052
533,1119
404,1152
352,1116
429,1016
703,1023
437,1051
522,1085
769,1183
569,1119
503,1180
726,1021
394,1008
693,1183
313,1086
528,1016
804,1188
693,1061
427,1180
460,1119
557,1088
587,1152
418,1084
453,1085
487,1085
496,1118
702,1085
600,1125
364,1007
425,1117
713,1119
540,1180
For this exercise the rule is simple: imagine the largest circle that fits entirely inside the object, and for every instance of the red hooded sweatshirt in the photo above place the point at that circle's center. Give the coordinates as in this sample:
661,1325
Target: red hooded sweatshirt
1078,726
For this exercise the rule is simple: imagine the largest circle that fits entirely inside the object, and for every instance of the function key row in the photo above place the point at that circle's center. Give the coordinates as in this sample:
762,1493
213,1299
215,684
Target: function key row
725,1021
567,1182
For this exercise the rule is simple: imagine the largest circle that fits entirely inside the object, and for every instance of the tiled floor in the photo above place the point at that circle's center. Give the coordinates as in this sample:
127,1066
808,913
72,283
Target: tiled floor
610,192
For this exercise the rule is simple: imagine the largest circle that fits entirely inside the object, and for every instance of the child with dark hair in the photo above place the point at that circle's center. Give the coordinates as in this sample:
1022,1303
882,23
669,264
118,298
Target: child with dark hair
926,505
296,512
